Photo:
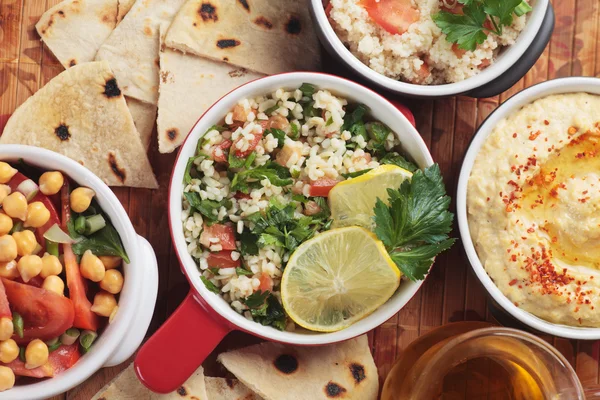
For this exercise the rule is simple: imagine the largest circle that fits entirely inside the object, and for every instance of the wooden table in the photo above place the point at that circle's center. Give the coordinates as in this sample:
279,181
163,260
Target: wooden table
451,293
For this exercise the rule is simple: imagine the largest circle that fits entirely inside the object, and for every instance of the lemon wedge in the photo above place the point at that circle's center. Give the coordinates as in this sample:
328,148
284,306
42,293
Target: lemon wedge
337,278
352,201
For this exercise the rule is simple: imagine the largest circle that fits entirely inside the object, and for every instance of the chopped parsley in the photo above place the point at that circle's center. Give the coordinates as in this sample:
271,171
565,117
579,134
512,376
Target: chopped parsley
277,134
354,122
208,208
266,309
275,173
209,285
414,227
396,159
356,174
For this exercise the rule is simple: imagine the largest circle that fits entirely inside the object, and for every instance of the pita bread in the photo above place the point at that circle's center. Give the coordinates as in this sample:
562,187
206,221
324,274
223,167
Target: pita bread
132,48
124,7
74,30
188,86
126,386
263,36
228,389
144,118
275,371
82,114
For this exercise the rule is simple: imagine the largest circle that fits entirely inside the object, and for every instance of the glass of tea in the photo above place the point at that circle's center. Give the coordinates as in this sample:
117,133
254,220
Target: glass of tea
473,360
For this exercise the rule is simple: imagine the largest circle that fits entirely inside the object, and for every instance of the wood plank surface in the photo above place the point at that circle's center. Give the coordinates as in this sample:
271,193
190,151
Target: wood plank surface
450,293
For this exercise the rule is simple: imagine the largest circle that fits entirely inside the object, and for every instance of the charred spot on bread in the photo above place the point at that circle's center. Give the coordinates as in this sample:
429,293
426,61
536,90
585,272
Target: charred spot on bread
237,73
245,4
230,382
227,43
172,133
181,391
333,390
262,21
61,13
62,132
111,88
293,25
114,167
72,63
358,372
286,363
208,12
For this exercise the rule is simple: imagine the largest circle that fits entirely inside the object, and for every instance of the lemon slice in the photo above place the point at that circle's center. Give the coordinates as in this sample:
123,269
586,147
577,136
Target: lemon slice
352,201
337,278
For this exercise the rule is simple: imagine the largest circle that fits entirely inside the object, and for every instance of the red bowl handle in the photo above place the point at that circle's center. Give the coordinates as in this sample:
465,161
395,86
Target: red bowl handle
404,110
179,347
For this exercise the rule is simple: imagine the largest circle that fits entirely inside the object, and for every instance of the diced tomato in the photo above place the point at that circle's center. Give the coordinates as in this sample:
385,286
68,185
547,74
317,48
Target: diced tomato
457,9
422,74
36,281
16,181
4,306
242,195
458,51
222,259
224,233
328,9
59,360
266,283
322,186
221,156
395,16
85,318
251,146
46,314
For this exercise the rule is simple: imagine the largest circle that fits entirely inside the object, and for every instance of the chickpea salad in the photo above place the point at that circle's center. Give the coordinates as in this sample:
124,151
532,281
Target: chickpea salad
60,273
256,198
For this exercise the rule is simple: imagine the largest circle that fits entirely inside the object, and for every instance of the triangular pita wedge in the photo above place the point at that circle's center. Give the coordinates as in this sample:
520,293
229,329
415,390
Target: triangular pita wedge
74,30
263,36
228,389
144,118
132,48
188,86
124,7
82,114
276,371
126,386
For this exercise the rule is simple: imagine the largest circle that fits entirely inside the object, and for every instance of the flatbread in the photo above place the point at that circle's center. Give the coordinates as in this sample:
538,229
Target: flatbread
228,389
188,86
126,386
144,118
82,114
263,36
132,48
276,371
74,30
124,7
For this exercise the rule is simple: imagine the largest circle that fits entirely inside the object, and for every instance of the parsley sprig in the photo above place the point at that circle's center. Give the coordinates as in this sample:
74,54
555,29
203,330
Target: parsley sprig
469,29
414,227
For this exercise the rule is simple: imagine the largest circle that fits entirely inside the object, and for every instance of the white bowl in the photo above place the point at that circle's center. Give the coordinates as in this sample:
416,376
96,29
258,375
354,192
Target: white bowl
123,336
557,86
506,59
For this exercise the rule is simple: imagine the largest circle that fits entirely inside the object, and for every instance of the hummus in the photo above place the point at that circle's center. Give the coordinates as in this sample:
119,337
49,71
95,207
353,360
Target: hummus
533,204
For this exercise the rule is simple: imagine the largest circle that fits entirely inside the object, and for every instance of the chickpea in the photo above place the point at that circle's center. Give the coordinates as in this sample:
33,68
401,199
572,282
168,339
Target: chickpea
26,242
81,198
6,328
29,267
15,206
104,304
9,351
51,182
91,267
112,281
54,284
9,270
8,248
37,215
7,378
6,224
50,266
36,354
6,172
111,262
5,190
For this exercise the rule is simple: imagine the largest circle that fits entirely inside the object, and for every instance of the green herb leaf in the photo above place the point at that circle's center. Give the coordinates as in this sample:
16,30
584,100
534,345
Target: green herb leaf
307,89
354,117
271,110
277,134
248,243
241,271
356,173
502,9
250,160
256,299
187,177
295,134
209,285
204,207
415,262
105,242
465,30
275,173
235,161
523,9
398,160
202,142
266,309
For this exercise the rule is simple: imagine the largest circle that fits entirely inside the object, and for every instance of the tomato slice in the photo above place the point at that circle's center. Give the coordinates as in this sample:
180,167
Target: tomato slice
59,360
46,314
251,146
85,318
395,16
322,186
224,233
221,156
4,306
222,259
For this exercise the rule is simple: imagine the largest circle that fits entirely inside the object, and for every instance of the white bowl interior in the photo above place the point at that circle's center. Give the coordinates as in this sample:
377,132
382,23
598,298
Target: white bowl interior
109,341
504,61
558,86
381,109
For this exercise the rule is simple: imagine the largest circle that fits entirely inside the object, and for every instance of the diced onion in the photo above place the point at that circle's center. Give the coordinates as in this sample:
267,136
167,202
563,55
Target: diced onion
57,235
29,189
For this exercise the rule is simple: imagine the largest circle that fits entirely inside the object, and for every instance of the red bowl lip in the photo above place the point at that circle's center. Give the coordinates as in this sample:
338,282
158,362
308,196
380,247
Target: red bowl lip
196,294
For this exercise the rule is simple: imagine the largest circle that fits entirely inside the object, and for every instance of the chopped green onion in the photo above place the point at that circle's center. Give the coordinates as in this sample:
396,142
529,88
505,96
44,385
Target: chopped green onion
295,131
86,339
80,225
356,174
242,271
18,227
52,341
22,354
523,8
18,324
271,110
94,223
307,89
52,247
70,336
53,344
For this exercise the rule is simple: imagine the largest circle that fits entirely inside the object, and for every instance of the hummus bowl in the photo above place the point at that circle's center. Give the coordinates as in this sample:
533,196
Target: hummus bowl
523,197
